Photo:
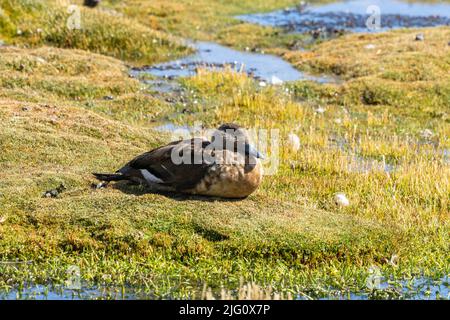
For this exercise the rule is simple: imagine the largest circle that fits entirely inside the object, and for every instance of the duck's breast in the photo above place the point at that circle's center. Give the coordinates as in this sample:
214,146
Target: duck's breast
230,180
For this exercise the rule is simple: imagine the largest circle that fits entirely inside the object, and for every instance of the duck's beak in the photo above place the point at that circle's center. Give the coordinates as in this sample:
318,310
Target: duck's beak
251,151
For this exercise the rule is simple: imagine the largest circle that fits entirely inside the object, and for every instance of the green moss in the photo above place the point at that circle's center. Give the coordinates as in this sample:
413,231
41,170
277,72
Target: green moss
36,22
289,235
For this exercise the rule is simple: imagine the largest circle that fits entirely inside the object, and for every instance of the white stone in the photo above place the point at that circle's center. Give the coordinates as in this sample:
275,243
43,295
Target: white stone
293,142
262,84
40,60
320,110
276,81
427,133
341,199
370,46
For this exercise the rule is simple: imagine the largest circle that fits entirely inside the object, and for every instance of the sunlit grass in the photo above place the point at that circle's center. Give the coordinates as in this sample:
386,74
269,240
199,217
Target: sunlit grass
289,239
37,22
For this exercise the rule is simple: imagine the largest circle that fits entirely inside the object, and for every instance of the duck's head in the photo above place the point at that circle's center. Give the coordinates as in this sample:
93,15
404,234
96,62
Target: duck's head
233,137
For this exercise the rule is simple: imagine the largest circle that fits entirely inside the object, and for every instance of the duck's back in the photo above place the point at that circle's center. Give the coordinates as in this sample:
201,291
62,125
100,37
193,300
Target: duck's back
162,163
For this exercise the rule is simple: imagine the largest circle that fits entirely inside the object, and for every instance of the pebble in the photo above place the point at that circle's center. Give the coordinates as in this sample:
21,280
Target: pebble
53,119
394,260
40,60
276,81
262,84
293,142
341,199
426,134
54,192
320,110
420,37
100,185
370,46
108,98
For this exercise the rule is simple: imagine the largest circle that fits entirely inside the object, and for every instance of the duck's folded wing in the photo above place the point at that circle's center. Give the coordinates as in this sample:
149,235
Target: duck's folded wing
166,165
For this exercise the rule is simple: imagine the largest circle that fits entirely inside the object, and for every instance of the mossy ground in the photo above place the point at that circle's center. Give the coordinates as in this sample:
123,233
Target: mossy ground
59,125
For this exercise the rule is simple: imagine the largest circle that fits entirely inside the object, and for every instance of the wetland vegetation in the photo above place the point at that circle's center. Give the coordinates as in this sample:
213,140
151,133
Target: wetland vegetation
70,105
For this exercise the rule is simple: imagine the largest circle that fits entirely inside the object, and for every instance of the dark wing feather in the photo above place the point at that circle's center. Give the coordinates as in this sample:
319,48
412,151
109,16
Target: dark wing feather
159,163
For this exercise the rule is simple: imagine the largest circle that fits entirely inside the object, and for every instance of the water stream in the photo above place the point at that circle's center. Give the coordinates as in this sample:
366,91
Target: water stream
263,67
355,16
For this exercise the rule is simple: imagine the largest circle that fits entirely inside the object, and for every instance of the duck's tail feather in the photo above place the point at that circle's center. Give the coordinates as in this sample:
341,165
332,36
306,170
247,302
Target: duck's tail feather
109,176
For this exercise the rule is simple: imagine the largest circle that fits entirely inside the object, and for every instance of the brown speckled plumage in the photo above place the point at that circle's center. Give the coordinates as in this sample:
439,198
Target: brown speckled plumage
234,180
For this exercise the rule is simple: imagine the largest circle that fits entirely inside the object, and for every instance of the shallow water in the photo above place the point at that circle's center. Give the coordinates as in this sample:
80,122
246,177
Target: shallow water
418,288
446,156
352,16
264,67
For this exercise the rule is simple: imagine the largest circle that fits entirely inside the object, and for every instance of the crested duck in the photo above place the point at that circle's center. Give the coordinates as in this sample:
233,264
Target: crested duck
226,166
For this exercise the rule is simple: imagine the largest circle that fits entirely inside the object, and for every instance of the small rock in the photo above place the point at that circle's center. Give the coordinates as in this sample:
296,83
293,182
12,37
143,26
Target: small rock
262,84
301,7
26,108
426,134
100,185
108,98
54,192
320,110
53,119
394,260
370,46
293,142
40,60
420,37
19,32
341,199
338,121
276,81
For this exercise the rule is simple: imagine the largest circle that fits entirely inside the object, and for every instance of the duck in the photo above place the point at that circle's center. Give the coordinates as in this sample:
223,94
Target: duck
226,166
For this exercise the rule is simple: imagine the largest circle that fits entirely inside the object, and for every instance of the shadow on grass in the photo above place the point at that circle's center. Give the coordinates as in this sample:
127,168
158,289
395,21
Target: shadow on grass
140,190
210,234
